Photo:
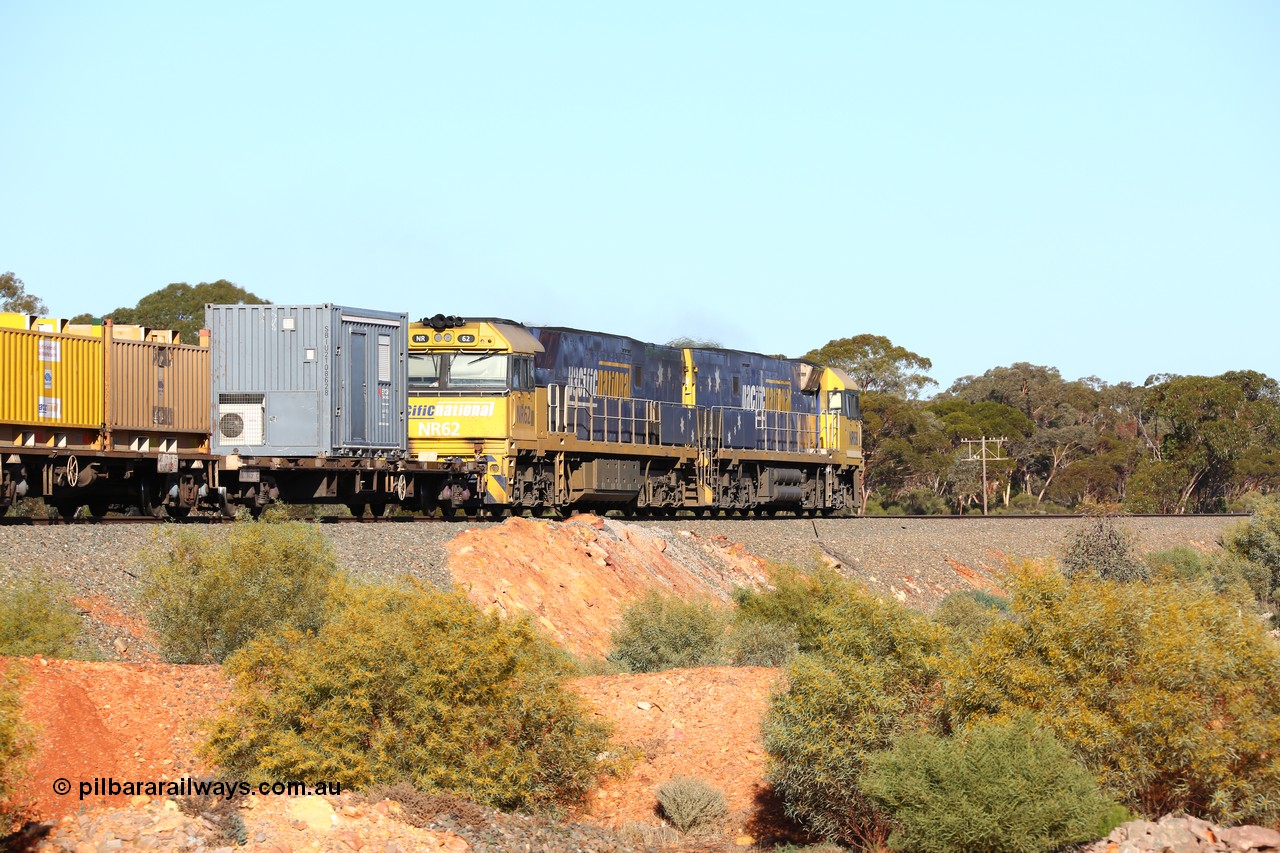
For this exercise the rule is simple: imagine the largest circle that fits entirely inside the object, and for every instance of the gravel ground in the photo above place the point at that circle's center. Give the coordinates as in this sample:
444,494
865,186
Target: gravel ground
892,554
880,549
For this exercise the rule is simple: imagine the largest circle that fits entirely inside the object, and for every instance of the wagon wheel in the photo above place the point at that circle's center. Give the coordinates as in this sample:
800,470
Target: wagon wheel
378,508
73,471
148,502
357,510
401,487
98,509
177,513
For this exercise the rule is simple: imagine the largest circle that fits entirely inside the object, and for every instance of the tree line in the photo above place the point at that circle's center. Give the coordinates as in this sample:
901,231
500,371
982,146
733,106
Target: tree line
1174,444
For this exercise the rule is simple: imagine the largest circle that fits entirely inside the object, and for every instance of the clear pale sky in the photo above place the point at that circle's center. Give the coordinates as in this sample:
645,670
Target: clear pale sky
1089,185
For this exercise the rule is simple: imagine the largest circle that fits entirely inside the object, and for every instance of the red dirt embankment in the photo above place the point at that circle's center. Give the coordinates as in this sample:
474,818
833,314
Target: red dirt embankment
120,720
575,578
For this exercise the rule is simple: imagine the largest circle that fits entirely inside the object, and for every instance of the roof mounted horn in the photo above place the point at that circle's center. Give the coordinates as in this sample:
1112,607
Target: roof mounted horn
440,322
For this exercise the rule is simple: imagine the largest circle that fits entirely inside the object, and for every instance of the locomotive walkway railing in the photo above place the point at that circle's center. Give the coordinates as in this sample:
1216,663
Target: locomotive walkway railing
575,412
590,417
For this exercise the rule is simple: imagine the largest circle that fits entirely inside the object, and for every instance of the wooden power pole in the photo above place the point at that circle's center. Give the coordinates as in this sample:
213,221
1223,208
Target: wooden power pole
982,455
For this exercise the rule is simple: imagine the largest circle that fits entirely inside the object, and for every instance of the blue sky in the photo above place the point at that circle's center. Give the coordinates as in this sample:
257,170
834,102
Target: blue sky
1093,186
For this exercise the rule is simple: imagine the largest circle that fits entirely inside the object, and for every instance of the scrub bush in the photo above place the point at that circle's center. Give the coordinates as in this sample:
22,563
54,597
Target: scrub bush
1168,693
1102,549
761,643
795,601
1001,787
207,598
1181,562
410,685
871,677
666,632
691,804
36,618
967,615
1255,547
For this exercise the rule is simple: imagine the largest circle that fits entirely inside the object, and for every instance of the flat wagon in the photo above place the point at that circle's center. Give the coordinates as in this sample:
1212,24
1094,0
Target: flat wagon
104,416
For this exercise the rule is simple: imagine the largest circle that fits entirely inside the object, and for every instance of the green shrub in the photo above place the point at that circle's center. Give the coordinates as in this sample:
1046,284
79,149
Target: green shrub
1257,542
691,804
1167,692
1100,548
795,599
1001,787
666,632
872,676
967,615
410,685
762,643
16,741
205,598
923,502
874,506
1248,502
36,618
1181,562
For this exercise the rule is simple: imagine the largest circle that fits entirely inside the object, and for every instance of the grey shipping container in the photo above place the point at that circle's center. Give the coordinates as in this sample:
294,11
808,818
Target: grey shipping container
307,380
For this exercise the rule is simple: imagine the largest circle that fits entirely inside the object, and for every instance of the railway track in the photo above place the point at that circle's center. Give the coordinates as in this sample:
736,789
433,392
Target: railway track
27,521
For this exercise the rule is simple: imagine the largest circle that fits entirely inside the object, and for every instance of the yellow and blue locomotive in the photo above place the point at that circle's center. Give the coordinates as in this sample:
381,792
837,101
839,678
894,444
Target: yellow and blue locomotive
562,419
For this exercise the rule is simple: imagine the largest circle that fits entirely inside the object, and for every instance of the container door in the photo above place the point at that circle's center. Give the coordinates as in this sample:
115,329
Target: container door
373,398
357,402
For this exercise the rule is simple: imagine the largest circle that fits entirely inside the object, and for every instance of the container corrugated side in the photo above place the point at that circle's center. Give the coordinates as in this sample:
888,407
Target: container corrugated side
50,380
158,388
260,348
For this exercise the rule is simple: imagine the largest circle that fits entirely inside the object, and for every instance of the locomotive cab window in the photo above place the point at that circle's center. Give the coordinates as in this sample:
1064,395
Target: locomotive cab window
424,370
464,371
522,373
844,402
479,370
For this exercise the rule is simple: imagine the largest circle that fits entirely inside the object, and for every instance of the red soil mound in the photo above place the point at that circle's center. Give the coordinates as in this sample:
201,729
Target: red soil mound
576,577
120,720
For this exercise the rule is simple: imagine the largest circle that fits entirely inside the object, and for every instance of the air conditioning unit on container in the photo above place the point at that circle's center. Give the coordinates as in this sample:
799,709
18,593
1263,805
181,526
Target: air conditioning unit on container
241,419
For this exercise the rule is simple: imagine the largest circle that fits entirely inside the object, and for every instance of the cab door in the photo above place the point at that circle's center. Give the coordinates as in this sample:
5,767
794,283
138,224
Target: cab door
523,398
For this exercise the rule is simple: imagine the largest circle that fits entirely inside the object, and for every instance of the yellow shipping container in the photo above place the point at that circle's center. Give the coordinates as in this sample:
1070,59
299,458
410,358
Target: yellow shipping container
51,380
66,390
